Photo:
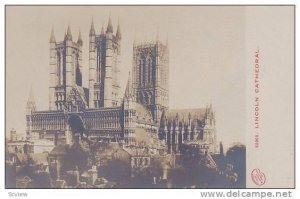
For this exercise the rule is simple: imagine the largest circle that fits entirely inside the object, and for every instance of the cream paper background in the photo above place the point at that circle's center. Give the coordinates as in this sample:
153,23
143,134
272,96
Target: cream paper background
271,29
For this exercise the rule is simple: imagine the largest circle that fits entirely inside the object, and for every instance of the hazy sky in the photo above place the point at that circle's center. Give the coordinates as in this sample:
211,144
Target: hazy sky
206,44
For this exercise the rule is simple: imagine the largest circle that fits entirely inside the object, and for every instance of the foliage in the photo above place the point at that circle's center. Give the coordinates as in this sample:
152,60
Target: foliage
236,155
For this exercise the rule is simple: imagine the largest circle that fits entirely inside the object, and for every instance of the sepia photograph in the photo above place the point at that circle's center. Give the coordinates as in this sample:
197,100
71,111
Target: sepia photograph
162,97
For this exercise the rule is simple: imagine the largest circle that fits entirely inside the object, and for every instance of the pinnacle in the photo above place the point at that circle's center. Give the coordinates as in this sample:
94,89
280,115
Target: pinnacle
102,30
118,34
109,26
79,41
92,30
52,37
69,34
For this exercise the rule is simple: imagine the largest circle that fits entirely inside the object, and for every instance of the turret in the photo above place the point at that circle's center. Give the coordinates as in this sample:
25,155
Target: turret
118,34
109,28
206,118
108,90
128,91
69,61
69,34
78,65
92,65
52,37
30,108
92,29
79,41
53,71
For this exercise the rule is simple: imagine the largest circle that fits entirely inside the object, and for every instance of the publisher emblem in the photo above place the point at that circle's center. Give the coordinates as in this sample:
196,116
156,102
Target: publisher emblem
258,177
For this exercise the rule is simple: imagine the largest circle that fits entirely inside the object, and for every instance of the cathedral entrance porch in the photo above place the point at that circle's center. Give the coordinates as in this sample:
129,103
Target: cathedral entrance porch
76,129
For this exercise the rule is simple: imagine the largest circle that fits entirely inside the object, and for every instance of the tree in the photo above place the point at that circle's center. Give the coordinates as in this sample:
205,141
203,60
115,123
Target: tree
178,177
75,156
41,180
236,155
117,170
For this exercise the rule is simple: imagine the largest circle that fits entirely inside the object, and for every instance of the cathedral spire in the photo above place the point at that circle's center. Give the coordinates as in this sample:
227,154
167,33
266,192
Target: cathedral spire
52,37
92,30
118,34
69,34
30,106
109,26
79,41
102,30
128,91
31,98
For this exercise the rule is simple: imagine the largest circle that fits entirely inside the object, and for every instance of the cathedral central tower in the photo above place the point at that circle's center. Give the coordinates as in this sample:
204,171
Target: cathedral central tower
151,76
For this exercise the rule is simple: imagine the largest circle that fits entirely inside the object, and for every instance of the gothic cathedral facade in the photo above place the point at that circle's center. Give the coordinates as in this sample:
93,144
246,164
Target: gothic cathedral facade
100,112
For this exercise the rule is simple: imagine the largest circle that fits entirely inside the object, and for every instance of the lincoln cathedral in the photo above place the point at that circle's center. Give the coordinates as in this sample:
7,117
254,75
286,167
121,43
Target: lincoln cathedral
101,112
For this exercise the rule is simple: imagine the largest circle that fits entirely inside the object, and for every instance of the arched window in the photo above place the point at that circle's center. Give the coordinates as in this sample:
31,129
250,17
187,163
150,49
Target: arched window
78,76
58,69
149,70
135,161
141,98
142,68
98,54
150,98
73,65
141,71
146,98
146,161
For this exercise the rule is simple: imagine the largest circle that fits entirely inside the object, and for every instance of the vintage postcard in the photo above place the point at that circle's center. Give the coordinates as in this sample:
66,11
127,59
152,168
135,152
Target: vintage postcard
150,97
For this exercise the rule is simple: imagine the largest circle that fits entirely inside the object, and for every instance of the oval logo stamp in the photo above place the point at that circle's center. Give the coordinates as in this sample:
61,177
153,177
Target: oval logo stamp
258,177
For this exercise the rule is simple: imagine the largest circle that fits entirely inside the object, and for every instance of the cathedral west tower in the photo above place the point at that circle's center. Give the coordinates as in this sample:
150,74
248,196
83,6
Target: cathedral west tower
104,67
65,69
